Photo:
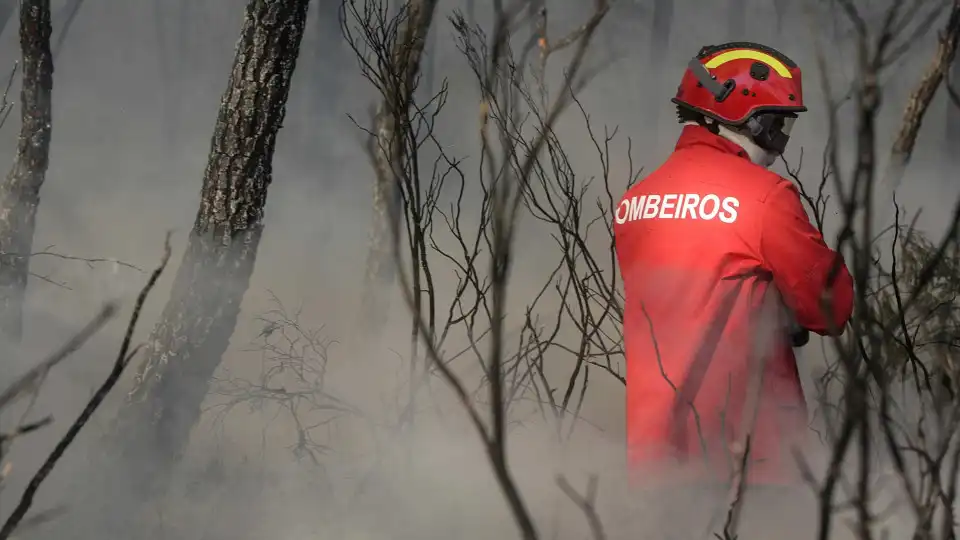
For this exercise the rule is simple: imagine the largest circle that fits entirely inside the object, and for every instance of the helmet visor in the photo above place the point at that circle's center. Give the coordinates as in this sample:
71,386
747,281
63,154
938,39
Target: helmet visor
771,131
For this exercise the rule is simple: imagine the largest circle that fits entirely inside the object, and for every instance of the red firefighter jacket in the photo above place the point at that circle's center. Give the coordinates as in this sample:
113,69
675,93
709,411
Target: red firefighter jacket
713,250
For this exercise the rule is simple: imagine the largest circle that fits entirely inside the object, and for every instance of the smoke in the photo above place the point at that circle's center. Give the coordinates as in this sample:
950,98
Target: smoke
136,90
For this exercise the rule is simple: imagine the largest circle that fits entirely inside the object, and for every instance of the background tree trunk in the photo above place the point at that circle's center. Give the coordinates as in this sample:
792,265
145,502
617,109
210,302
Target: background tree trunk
20,191
737,21
198,320
406,57
660,37
194,331
661,26
780,8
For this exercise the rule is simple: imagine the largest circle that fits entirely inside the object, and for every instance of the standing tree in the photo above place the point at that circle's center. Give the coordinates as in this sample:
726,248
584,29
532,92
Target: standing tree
509,160
196,325
897,410
199,317
397,76
20,191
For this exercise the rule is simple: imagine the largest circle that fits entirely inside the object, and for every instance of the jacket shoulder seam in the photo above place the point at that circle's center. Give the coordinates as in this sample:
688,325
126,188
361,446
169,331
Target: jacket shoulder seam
777,183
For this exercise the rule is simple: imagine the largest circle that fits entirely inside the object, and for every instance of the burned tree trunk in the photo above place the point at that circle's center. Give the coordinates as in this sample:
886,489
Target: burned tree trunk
20,191
199,318
400,76
196,325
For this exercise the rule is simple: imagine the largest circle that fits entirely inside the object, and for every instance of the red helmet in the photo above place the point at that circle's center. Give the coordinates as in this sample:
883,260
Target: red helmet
735,82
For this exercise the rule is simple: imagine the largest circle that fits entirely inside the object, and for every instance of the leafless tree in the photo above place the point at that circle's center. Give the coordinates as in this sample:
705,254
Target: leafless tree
902,303
420,181
439,238
586,283
506,170
20,191
187,344
527,170
396,73
390,50
429,249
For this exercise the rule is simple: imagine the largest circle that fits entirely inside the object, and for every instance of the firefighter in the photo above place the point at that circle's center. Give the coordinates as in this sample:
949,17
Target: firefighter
719,261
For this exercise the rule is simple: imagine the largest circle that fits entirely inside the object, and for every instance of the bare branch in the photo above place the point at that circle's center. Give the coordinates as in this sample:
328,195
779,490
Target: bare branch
925,90
586,503
123,358
30,381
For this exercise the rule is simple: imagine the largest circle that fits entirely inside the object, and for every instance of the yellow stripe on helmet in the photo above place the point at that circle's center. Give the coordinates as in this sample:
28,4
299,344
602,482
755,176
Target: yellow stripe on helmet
740,54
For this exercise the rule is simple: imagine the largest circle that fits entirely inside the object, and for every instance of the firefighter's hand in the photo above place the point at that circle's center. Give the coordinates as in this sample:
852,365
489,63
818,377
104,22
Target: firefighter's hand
799,337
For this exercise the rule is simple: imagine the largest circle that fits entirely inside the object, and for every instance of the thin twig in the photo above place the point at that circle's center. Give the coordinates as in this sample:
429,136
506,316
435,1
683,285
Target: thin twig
121,362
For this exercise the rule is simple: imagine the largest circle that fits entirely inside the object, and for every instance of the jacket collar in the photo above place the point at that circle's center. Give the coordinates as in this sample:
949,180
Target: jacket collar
693,136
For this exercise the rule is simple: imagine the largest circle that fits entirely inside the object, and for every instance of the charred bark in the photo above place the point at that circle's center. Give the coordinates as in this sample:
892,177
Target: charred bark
198,320
20,191
194,331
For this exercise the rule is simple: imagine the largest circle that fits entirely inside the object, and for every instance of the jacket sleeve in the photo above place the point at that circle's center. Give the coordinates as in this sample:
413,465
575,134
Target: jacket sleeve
793,250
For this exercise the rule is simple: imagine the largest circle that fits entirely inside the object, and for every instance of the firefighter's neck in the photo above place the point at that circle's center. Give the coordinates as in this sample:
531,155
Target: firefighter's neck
756,154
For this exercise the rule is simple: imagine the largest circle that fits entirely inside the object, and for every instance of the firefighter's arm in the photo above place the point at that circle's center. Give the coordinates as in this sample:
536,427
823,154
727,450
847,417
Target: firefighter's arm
793,250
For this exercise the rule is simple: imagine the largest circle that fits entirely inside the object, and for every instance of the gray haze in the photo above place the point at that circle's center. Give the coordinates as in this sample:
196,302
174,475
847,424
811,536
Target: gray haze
136,91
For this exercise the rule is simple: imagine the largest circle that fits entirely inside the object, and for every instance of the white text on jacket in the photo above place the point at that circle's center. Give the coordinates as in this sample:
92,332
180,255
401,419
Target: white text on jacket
678,206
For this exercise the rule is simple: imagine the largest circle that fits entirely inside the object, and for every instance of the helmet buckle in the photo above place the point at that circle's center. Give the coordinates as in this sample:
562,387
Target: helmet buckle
727,89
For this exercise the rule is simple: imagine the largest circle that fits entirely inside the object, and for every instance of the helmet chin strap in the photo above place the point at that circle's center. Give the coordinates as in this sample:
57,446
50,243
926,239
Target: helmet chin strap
757,155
